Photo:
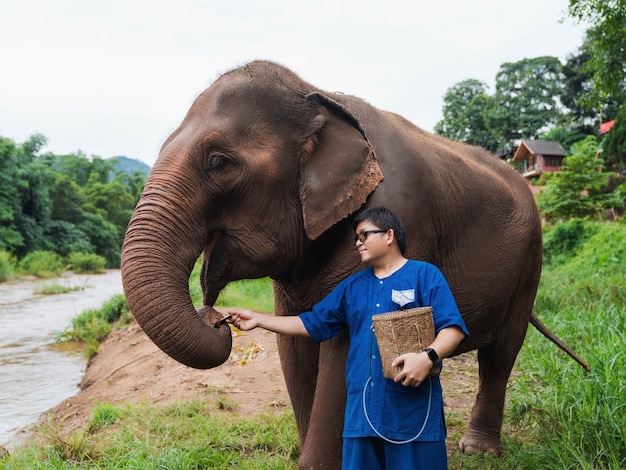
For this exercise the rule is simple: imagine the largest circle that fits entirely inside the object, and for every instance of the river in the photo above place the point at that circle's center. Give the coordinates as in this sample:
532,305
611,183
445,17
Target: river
36,373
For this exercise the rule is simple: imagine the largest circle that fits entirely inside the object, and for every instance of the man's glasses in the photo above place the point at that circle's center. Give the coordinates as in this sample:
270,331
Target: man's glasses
361,237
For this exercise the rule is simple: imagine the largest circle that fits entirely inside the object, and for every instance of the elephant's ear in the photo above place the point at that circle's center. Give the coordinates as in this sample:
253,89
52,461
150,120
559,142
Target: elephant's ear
339,168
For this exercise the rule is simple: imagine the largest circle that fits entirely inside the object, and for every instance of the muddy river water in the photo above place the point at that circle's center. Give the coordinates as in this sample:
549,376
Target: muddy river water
36,373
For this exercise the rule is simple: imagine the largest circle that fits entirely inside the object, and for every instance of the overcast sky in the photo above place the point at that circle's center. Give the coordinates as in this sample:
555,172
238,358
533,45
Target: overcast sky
116,77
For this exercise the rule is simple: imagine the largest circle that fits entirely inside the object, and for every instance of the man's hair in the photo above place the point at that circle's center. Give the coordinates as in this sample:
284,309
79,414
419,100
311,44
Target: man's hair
384,219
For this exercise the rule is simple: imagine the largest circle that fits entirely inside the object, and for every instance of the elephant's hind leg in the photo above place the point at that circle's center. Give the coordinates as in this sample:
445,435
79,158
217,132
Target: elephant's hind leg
495,365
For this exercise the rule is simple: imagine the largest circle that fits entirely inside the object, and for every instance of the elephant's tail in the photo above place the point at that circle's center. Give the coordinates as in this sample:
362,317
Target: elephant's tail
543,329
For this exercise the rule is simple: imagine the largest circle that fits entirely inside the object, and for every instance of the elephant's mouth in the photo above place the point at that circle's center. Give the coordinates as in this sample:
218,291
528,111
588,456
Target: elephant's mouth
216,269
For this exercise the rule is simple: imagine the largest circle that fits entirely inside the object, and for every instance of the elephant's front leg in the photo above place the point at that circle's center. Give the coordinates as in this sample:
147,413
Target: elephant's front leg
315,378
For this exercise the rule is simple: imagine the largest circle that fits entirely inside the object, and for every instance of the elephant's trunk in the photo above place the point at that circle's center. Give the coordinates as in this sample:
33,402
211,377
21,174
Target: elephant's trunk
161,246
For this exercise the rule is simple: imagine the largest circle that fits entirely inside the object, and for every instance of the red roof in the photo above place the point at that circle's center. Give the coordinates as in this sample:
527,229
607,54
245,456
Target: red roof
606,126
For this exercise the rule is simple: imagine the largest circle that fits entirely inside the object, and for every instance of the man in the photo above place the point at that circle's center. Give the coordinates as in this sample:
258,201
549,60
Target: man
399,423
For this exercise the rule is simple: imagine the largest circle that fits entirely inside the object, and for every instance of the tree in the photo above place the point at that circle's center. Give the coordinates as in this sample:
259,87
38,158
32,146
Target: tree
567,136
465,106
33,178
606,47
614,144
577,190
577,85
10,202
526,98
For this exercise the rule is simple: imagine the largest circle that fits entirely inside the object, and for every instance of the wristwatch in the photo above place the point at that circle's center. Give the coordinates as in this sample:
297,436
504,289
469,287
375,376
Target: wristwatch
432,355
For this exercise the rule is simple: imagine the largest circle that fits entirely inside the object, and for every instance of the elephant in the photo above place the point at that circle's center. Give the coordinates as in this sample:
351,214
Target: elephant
262,179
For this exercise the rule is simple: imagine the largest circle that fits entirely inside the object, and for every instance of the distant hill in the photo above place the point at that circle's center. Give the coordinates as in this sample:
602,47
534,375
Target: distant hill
130,165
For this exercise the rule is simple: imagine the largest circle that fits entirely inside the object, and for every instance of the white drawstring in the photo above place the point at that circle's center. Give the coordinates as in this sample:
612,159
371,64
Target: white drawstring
430,395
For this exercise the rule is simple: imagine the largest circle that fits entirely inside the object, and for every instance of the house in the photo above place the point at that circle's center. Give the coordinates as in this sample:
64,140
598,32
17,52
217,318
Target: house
539,156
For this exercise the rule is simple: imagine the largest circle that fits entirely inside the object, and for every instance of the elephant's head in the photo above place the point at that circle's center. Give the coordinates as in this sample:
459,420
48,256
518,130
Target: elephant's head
260,167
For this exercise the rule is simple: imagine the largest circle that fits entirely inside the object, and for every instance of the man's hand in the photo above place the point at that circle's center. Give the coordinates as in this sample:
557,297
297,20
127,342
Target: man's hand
416,367
245,320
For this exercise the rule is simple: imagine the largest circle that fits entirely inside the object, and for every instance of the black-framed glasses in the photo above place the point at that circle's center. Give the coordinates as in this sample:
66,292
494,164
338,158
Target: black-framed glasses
362,236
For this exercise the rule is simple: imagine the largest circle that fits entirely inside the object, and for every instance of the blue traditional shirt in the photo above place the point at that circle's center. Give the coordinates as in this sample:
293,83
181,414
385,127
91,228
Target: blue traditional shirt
395,411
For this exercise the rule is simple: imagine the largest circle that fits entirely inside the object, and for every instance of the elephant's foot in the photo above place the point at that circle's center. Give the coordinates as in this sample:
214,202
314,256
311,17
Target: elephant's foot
475,442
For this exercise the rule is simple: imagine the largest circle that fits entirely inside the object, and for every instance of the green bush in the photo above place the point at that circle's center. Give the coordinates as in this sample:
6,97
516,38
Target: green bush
562,240
87,263
7,265
44,264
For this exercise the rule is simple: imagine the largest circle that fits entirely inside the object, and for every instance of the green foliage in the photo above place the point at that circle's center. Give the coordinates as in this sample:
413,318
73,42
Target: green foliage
579,189
7,265
614,143
63,203
606,48
563,240
568,136
465,107
525,98
103,236
66,238
92,326
44,264
87,263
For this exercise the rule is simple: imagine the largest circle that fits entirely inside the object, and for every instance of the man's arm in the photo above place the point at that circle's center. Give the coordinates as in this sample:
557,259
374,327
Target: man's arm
285,325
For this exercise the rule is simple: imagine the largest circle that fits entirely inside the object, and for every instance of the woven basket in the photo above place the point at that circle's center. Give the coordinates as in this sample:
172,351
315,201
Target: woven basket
401,332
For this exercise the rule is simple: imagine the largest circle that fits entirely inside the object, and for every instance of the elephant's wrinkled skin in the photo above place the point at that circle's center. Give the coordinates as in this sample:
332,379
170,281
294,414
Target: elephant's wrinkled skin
263,177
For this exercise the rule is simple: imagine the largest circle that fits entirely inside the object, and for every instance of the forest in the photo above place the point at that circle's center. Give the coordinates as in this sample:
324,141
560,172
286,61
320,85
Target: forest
63,203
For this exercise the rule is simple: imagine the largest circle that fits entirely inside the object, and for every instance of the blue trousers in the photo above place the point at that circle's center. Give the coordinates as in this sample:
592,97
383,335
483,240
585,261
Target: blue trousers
372,453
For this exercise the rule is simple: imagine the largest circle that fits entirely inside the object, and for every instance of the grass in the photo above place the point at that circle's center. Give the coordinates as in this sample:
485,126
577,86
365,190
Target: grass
253,294
557,415
186,435
92,326
55,289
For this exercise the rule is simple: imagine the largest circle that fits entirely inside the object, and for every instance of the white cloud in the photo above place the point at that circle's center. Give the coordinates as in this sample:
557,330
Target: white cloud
112,77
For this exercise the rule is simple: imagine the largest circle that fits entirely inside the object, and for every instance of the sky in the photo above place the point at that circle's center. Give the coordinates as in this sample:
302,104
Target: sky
116,77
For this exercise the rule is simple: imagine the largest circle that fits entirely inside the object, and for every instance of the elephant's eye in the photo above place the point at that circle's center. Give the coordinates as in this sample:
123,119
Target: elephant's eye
216,162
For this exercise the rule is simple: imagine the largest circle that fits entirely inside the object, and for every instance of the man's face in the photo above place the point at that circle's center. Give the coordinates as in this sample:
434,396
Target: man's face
371,241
